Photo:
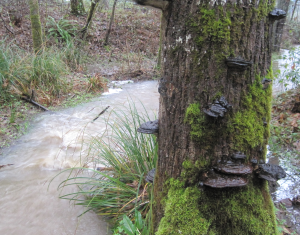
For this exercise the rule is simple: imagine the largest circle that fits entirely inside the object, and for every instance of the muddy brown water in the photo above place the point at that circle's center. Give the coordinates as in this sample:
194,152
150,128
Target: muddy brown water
28,204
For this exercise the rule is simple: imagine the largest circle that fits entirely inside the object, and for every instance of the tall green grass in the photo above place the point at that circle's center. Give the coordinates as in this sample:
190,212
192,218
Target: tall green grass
21,71
118,187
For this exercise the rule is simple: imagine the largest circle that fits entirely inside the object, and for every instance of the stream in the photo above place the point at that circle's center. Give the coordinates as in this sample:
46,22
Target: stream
28,203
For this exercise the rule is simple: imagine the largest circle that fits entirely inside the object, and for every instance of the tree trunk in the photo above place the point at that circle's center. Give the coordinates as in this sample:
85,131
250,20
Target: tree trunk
213,50
296,2
111,22
278,26
77,7
92,10
36,27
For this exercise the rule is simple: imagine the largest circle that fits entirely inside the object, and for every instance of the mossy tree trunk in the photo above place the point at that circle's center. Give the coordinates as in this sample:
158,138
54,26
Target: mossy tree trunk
278,26
36,27
77,7
90,16
198,38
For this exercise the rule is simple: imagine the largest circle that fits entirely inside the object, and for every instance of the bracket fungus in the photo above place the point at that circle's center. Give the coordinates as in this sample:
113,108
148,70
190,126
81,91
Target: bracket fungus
234,168
225,181
150,127
270,172
218,108
150,176
238,63
239,156
277,14
266,82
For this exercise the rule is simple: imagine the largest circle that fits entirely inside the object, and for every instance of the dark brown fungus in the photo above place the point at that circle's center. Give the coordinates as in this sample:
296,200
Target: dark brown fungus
266,82
277,14
254,161
150,127
239,156
238,63
218,108
270,172
234,168
150,176
224,181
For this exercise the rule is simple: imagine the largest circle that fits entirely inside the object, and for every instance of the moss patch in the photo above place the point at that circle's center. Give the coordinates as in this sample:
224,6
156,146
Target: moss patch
210,211
196,119
182,215
247,126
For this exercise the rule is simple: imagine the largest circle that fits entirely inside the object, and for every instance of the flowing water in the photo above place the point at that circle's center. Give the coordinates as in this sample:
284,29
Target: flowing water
28,204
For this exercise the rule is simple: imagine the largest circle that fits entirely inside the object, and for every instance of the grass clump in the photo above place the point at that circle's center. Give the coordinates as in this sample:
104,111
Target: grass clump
117,189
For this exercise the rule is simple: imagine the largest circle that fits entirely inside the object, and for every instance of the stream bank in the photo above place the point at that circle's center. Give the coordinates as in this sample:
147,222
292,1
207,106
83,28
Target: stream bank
57,141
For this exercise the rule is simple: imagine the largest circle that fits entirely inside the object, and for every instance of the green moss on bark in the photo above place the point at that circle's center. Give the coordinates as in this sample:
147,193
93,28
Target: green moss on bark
248,126
235,211
182,215
36,27
196,119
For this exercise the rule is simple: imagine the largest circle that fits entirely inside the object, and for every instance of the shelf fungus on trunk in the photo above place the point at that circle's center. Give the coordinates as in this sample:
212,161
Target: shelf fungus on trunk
234,168
218,108
239,156
150,127
150,176
215,180
270,172
266,82
238,63
277,14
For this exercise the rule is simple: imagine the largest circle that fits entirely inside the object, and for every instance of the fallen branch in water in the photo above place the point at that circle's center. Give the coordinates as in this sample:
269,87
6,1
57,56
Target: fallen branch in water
35,103
103,111
5,165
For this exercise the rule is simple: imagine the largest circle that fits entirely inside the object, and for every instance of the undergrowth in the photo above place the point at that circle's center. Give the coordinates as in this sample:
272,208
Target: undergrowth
115,186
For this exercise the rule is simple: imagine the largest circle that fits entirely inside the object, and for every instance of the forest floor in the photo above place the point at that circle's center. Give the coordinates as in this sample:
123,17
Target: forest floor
131,53
284,146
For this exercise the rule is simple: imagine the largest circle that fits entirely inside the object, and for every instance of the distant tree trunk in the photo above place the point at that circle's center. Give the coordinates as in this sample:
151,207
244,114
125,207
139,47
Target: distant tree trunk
92,10
279,25
77,7
36,27
294,9
111,22
213,52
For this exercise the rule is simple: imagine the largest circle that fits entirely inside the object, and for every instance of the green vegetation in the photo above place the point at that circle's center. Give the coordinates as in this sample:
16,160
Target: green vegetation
118,187
247,126
191,210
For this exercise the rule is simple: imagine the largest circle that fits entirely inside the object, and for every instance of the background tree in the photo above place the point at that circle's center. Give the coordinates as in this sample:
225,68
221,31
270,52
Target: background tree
278,26
77,7
213,52
110,22
35,25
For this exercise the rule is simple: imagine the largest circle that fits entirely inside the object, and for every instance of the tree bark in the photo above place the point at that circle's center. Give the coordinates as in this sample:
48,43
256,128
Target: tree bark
36,27
199,37
278,26
77,7
111,22
296,2
92,10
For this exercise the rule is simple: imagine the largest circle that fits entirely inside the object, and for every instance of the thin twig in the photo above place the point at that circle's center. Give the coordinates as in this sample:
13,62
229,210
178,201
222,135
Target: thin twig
103,111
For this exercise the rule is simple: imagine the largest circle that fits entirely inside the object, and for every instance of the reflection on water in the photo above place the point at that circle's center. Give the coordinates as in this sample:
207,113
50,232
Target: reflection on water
54,143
